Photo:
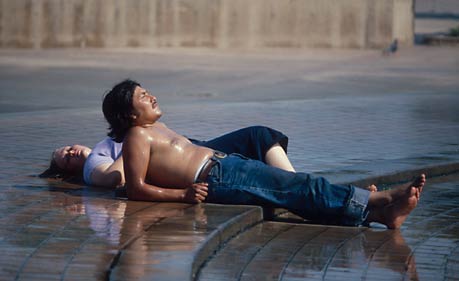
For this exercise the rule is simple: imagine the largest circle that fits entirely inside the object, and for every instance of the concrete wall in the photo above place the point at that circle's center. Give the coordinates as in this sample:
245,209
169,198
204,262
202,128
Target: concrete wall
437,7
225,24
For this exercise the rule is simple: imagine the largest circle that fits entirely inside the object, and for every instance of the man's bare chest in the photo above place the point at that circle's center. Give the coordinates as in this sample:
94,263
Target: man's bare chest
164,138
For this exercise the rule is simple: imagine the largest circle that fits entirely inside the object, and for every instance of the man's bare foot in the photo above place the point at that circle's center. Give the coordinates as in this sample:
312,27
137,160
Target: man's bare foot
386,197
371,188
394,214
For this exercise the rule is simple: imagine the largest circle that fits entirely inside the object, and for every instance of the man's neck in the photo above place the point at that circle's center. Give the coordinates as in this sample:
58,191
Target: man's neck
145,125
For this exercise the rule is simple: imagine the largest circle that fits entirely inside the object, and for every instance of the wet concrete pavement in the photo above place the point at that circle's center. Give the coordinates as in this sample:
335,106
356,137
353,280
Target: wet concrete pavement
350,115
424,249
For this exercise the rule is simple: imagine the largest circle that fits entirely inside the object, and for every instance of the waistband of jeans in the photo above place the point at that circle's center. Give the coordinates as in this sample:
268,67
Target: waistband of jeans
208,165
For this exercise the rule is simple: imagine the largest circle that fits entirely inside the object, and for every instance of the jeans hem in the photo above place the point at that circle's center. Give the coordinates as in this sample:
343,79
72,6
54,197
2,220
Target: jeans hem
356,210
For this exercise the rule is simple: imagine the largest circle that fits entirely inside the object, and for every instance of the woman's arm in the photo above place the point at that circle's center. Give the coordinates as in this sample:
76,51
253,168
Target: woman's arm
109,174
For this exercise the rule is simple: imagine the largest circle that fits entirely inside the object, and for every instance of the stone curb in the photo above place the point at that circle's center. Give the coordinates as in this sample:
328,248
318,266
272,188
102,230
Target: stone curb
222,234
407,175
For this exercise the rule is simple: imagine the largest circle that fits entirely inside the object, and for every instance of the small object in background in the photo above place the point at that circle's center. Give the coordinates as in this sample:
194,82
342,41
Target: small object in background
391,49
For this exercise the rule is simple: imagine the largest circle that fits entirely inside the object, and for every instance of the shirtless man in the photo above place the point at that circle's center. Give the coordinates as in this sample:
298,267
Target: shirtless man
161,165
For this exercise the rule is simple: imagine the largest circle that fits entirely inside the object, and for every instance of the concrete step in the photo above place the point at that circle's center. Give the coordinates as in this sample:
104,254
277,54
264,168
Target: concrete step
176,248
425,248
84,234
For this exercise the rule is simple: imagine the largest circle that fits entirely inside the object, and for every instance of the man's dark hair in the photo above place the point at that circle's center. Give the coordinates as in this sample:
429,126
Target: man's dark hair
117,108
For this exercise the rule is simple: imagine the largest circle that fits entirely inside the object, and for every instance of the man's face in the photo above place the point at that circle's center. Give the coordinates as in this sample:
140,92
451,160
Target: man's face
71,158
145,108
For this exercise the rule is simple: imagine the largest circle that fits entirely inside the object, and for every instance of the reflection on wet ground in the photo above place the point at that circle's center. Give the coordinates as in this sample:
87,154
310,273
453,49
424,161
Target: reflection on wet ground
73,233
314,252
86,234
426,248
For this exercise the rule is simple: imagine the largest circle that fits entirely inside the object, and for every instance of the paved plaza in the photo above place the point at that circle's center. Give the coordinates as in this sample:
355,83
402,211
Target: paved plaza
350,115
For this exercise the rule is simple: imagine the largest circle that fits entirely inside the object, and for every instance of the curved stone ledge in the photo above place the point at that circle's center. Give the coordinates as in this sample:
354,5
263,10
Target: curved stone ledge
224,232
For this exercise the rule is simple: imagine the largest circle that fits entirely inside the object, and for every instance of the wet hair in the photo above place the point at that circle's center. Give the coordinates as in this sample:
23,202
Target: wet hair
53,171
117,108
56,172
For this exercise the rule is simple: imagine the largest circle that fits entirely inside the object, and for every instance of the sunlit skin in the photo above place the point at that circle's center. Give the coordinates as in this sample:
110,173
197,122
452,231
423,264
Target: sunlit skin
160,165
156,157
71,158
392,207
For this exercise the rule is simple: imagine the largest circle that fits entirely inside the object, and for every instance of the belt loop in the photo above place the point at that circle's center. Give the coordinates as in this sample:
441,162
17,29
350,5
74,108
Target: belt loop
219,154
207,167
218,172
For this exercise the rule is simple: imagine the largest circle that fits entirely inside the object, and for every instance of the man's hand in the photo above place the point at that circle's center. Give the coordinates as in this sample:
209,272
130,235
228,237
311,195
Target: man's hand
196,193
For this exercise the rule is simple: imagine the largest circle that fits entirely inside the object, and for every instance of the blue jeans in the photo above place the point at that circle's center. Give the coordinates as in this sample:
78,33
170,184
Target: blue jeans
239,180
252,142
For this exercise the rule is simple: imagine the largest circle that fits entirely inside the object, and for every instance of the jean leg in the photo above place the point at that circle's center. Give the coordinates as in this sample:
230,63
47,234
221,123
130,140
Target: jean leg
236,180
252,142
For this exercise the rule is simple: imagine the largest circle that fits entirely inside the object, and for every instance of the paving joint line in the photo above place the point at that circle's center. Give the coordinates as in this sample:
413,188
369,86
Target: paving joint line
293,255
196,268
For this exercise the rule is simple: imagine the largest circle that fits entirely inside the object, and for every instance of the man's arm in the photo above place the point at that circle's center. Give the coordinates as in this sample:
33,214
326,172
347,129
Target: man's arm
136,154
